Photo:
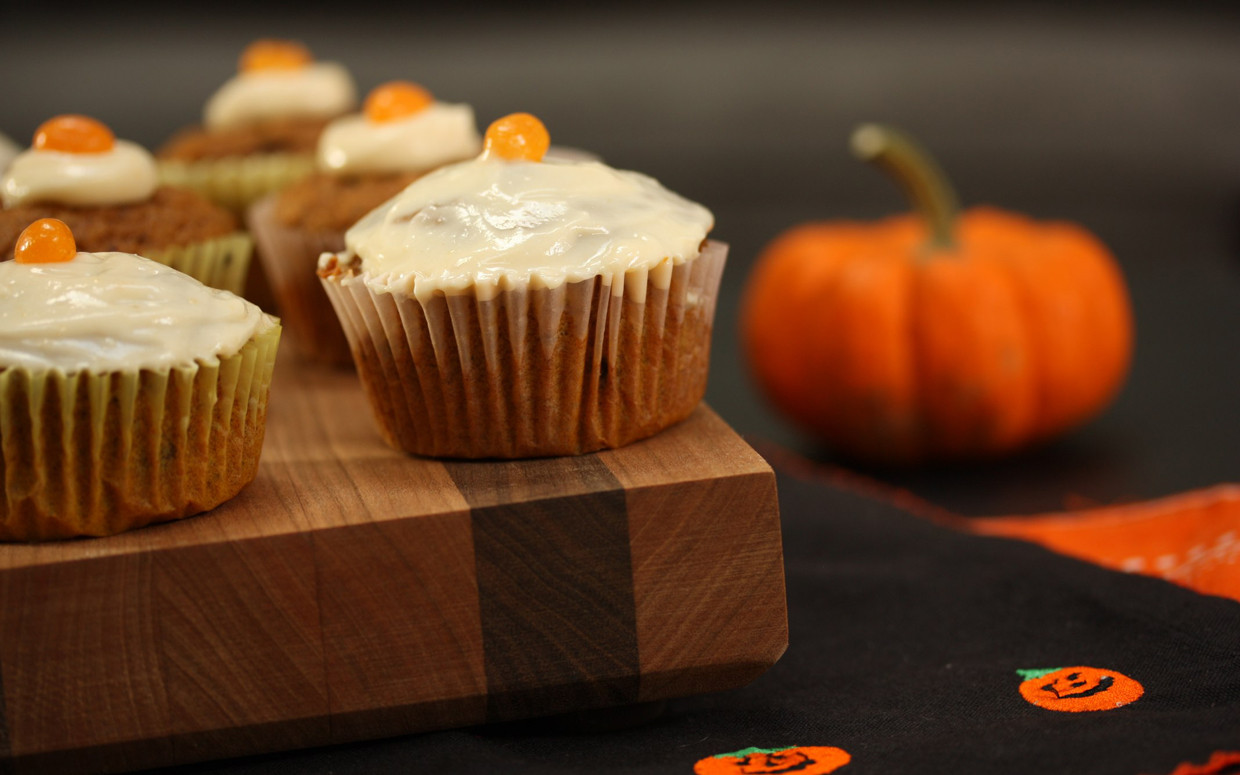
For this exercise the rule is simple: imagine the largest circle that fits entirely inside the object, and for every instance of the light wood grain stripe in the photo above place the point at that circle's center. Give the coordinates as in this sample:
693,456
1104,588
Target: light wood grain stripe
554,585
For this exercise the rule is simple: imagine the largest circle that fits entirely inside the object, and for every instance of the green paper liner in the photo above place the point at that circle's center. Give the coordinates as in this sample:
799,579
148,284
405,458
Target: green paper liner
534,372
290,258
97,454
222,262
236,182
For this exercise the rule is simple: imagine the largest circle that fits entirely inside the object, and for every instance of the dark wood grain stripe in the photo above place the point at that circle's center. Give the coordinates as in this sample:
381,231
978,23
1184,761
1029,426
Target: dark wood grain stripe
554,585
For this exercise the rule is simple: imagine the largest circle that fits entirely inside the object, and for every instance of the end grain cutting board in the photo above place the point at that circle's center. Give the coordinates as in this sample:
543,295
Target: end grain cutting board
353,592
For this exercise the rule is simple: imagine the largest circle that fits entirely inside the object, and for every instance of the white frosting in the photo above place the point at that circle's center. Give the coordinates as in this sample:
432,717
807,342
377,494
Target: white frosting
428,139
487,224
116,311
8,150
318,90
126,173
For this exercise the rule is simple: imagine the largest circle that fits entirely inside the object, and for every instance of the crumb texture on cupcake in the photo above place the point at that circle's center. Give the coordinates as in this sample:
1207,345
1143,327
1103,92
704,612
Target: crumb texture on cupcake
282,135
325,202
171,216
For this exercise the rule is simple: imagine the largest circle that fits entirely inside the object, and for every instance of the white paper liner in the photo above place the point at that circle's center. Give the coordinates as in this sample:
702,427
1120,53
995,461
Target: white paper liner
96,454
534,372
289,258
222,262
236,182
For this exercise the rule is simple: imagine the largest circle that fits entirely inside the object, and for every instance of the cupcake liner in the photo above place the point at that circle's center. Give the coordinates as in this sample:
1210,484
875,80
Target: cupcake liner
236,182
289,258
535,372
222,262
96,454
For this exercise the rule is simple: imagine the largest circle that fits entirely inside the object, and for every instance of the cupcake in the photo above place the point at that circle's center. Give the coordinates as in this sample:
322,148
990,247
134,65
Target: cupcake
260,129
510,306
106,190
130,393
363,160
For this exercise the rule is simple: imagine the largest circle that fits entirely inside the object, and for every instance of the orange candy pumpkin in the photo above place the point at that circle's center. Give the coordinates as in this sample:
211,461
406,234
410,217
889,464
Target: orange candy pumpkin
935,337
516,137
46,241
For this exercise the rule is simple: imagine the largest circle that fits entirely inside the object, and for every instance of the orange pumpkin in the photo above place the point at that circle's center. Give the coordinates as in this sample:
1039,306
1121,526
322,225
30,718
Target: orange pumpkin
801,759
1077,689
941,336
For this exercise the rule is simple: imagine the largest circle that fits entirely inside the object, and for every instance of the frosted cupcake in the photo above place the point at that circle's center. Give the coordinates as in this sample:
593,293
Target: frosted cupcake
107,191
260,129
363,160
130,393
508,306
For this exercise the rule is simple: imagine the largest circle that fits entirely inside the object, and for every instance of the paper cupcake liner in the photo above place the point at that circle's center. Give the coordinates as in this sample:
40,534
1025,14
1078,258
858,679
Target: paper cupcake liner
222,262
535,372
290,257
96,454
236,182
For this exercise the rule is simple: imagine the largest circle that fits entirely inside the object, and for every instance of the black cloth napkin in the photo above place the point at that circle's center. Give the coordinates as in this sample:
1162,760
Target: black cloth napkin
906,642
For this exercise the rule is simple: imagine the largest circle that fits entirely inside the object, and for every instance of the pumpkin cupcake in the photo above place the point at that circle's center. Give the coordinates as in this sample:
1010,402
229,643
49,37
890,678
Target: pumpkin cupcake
363,160
130,393
107,191
260,129
511,306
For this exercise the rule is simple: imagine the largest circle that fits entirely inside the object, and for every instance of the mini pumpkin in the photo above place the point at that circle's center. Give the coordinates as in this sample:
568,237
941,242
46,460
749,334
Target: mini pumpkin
939,336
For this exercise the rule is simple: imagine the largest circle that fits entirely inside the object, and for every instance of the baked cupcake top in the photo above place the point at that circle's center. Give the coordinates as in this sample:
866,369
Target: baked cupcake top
510,219
401,128
76,160
279,79
68,311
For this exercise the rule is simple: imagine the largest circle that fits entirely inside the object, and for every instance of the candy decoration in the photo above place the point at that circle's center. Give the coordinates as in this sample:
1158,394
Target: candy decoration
269,54
74,134
395,100
517,136
46,241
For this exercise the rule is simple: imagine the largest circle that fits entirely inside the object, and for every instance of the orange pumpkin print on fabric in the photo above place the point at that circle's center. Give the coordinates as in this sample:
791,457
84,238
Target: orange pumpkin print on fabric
800,759
1077,689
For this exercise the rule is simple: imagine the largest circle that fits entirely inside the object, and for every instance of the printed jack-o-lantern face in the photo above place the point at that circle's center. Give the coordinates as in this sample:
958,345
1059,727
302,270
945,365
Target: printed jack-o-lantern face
802,760
1076,689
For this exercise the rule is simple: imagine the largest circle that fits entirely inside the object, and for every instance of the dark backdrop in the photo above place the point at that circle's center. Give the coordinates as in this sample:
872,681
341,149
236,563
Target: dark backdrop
1123,117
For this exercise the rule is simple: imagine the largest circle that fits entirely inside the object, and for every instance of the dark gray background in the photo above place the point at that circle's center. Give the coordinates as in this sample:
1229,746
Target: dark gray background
1124,118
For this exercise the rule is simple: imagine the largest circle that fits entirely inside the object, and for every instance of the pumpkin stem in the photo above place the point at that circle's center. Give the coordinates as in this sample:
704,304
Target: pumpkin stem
918,174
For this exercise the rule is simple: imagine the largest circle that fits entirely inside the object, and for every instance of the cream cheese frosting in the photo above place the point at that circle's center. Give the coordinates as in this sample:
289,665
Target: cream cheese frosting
116,312
430,138
488,225
125,173
318,90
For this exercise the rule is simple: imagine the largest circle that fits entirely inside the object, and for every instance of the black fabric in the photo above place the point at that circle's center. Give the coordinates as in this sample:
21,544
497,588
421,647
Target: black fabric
906,639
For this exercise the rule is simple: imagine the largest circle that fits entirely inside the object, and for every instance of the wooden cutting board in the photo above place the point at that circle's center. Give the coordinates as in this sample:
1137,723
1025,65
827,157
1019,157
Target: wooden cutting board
353,592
